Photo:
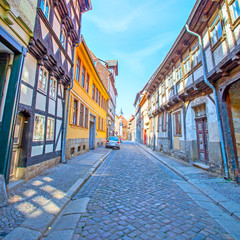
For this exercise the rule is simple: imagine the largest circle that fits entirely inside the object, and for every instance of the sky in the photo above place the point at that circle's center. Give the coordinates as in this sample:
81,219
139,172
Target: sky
137,33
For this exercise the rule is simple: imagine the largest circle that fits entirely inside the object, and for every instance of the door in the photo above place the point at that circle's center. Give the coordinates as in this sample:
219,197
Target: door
202,139
91,135
17,146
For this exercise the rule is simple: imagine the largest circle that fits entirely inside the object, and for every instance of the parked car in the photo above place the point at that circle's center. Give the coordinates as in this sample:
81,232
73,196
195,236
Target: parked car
113,142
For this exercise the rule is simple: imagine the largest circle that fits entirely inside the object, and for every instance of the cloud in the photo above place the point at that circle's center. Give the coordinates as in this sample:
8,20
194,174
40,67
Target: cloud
136,60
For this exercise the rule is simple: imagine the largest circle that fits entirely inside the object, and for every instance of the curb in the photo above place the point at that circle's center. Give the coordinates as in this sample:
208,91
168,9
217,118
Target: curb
37,223
229,206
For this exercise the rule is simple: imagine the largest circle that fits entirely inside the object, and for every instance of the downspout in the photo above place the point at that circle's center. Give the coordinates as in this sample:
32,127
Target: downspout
66,110
224,155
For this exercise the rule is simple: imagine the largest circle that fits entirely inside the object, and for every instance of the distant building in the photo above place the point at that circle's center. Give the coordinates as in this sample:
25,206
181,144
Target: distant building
123,128
131,129
108,70
117,126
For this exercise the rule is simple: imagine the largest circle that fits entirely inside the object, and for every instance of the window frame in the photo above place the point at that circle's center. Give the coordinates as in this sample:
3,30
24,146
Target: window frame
215,20
63,38
75,111
81,115
40,88
52,125
234,21
178,123
86,117
93,91
87,83
83,75
43,128
51,95
78,66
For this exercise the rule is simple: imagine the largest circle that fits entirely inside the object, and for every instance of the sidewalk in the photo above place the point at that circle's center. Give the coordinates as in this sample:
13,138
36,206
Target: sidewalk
225,194
34,205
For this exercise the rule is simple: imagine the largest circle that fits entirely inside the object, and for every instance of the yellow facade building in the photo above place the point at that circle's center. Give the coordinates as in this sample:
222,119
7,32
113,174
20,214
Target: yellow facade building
88,106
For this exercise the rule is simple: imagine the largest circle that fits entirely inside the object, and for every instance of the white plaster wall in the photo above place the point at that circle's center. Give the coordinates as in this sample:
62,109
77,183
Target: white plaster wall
41,102
198,73
213,131
237,34
37,150
52,106
58,130
208,55
59,108
220,52
56,26
49,148
26,95
188,80
190,124
29,70
44,29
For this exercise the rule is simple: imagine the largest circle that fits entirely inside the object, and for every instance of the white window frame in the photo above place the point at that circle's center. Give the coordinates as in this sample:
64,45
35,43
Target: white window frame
50,128
196,55
179,74
213,29
233,13
63,38
42,83
187,65
53,88
38,134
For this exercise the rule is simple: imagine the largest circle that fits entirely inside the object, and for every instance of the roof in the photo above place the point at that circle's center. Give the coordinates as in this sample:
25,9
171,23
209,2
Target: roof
114,64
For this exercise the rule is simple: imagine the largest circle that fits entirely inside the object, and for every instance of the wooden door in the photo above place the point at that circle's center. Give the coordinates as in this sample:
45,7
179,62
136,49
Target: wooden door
202,139
17,146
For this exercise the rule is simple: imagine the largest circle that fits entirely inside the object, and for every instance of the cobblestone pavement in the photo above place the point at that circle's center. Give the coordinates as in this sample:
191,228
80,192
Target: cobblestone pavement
36,192
134,196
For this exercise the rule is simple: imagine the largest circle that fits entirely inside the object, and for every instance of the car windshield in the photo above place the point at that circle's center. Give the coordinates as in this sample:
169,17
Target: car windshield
113,138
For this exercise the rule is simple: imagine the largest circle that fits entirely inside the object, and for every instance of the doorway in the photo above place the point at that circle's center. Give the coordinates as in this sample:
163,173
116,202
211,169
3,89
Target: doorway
17,146
202,139
92,132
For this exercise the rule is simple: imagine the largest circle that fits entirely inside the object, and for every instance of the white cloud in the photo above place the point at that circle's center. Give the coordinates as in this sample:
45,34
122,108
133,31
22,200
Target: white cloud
137,60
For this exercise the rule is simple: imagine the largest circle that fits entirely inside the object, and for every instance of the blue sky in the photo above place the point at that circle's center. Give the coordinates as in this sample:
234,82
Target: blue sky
137,33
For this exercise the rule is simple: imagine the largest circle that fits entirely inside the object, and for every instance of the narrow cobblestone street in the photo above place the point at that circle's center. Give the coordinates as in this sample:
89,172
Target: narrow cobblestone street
134,196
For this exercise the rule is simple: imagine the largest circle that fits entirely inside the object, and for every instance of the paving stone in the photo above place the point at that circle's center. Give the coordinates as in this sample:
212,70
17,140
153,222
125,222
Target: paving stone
68,222
60,235
22,233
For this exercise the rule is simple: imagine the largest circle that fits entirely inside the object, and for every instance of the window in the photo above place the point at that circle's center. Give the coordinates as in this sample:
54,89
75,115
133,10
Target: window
178,127
86,117
63,38
179,74
50,128
93,92
81,115
102,125
45,8
170,84
87,83
53,88
39,125
196,55
83,77
234,9
77,70
75,111
42,81
187,65
215,30
163,88
102,102
98,123
96,99
99,98
164,121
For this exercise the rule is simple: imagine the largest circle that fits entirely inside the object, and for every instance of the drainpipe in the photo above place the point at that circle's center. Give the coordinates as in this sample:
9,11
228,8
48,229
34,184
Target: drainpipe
224,155
66,110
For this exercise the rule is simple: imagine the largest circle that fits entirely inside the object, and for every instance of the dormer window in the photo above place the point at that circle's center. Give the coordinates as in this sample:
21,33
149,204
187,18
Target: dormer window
45,8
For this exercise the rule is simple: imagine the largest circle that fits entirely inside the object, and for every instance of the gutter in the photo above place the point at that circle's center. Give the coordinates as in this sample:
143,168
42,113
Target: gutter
224,155
66,110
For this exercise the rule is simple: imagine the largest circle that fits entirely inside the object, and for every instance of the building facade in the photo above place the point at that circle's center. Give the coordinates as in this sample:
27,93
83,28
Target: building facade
47,73
185,95
131,129
16,29
108,70
123,127
88,106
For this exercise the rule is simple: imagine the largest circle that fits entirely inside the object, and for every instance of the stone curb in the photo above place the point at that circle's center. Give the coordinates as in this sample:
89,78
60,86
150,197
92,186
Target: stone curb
232,208
37,223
